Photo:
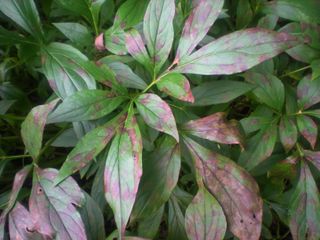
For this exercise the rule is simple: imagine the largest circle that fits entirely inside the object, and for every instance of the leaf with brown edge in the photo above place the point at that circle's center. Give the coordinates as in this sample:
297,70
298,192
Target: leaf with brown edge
313,157
288,133
33,126
123,170
304,210
308,128
176,85
21,225
204,218
203,15
157,114
214,127
236,52
233,187
54,208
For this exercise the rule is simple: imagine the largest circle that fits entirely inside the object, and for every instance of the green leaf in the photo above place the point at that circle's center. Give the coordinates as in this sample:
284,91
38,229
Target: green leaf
308,128
123,171
244,14
216,92
114,40
25,14
157,114
269,89
295,10
149,226
176,85
236,52
214,127
54,208
76,32
63,67
304,210
33,126
204,217
5,105
201,18
160,176
315,65
288,133
85,105
11,38
308,92
176,229
158,31
233,187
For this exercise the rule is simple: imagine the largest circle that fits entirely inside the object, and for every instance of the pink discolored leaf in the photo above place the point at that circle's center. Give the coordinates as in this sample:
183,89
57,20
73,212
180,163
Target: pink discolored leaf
236,52
21,225
54,208
233,187
136,48
157,114
99,43
197,25
308,92
123,171
204,218
176,85
313,157
216,128
158,30
33,126
308,128
288,133
304,210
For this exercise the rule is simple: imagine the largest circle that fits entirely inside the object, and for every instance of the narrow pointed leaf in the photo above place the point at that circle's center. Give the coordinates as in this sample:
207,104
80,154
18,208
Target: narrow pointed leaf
85,105
304,210
313,157
157,114
197,25
308,92
205,218
176,229
233,187
176,85
123,171
33,126
160,176
158,30
236,52
308,128
288,133
54,208
216,128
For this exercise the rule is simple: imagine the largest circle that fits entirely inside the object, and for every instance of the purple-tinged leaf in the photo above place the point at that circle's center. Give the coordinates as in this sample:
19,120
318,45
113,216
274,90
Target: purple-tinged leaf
216,128
99,42
158,31
304,210
136,48
308,92
204,218
176,85
160,176
33,126
157,114
197,25
87,149
54,208
123,171
21,226
233,187
313,157
236,52
85,105
288,133
308,128
114,41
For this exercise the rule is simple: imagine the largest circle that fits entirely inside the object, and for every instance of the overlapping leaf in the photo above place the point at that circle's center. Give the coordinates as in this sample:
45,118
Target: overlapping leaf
308,128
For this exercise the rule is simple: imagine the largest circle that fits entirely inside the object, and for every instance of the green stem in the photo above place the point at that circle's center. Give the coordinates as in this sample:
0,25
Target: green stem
295,71
14,157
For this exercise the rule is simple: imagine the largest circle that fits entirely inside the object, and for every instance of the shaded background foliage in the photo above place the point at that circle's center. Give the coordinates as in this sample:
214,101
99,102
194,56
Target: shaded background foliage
212,129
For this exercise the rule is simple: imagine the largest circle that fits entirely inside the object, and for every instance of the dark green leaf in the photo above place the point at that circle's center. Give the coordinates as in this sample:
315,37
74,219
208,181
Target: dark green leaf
288,133
308,128
308,92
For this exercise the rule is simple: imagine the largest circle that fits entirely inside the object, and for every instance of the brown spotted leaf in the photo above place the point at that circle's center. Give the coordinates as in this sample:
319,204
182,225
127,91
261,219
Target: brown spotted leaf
157,114
233,187
236,52
308,128
288,133
313,157
197,25
54,208
123,171
204,218
33,126
304,210
214,127
308,92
